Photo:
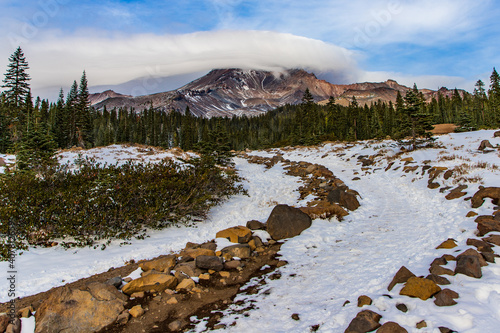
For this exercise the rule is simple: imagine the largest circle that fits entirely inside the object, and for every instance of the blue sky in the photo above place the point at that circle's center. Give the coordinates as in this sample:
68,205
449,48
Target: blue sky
433,43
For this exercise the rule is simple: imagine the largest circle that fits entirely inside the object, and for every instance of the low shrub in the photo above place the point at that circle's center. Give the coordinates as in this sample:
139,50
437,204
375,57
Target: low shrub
105,202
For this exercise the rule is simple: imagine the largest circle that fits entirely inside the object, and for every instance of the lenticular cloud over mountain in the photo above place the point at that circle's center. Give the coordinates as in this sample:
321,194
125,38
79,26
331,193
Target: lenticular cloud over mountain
116,59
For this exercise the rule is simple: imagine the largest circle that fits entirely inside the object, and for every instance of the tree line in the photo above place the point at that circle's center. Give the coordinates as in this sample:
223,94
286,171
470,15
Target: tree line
36,130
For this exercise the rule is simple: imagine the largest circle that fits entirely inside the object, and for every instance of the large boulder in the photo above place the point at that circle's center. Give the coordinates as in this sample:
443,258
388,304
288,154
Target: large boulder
485,192
342,197
365,321
79,311
156,282
420,287
286,222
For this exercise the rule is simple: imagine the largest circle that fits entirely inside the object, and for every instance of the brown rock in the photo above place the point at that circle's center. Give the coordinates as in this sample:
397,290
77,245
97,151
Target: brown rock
471,214
391,327
325,210
365,321
439,270
209,262
481,246
25,312
402,307
139,294
238,234
286,222
433,185
439,261
421,324
484,144
493,239
176,325
241,251
407,159
489,256
488,225
194,253
485,192
455,195
185,285
472,252
4,321
14,327
136,311
209,246
123,318
401,276
420,287
232,264
67,310
443,329
343,198
447,244
256,225
496,134
445,298
449,257
468,265
156,282
162,264
188,268
364,300
438,279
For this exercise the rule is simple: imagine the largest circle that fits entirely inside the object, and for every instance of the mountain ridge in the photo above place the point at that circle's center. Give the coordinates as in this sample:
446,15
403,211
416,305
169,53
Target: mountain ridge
237,92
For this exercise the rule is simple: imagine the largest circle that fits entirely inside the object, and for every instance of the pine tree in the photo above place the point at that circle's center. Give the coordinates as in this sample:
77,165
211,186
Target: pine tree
71,112
419,121
83,119
494,97
37,148
16,79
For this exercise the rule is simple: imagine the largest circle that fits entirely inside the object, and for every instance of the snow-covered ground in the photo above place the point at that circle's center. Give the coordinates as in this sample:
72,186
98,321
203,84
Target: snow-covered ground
400,222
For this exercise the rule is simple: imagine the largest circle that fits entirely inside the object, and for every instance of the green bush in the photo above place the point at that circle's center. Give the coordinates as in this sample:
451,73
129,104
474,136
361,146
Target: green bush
105,202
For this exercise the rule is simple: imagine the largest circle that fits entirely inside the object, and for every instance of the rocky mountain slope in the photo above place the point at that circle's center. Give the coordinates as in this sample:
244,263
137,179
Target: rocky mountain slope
229,92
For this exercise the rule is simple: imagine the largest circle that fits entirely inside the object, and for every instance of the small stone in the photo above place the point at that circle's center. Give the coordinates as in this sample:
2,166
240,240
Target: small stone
489,257
225,274
391,327
123,318
139,294
365,321
447,244
281,263
449,257
443,329
175,326
256,225
204,276
401,276
364,300
402,307
115,282
172,300
127,279
421,324
295,316
471,214
420,287
136,311
209,246
185,285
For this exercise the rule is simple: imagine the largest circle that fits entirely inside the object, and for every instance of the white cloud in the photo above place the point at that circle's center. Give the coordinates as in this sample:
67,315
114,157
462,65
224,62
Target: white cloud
115,59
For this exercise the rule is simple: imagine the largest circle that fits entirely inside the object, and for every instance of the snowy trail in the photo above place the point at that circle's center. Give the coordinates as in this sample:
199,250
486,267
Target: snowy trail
399,223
